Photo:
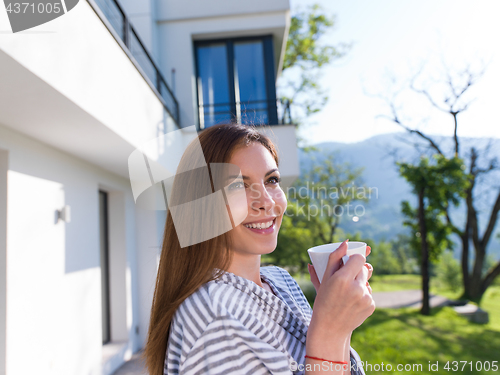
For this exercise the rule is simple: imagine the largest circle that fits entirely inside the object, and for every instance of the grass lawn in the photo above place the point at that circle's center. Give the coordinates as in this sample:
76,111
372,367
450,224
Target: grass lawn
490,301
403,336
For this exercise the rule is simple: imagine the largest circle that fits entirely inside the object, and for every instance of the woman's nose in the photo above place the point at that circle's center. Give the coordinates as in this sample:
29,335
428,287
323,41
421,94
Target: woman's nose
261,199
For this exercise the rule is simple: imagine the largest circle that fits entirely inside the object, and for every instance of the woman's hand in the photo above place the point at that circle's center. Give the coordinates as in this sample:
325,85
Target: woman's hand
342,303
315,279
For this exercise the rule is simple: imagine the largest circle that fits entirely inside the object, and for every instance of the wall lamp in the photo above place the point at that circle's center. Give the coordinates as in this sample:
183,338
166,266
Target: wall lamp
64,214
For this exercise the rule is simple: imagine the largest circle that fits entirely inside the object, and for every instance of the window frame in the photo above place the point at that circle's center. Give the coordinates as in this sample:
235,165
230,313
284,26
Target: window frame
269,75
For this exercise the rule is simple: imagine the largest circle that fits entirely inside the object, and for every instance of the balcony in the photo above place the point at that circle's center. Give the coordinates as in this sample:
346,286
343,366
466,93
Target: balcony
252,112
80,90
115,19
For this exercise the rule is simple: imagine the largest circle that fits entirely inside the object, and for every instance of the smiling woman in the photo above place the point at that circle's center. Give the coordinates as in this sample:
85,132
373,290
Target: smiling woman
258,234
215,310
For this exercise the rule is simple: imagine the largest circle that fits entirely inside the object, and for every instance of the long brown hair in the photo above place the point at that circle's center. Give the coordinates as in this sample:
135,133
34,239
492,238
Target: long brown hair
183,270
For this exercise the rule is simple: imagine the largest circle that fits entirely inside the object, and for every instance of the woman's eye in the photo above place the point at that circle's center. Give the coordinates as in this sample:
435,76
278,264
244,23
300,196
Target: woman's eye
236,185
274,180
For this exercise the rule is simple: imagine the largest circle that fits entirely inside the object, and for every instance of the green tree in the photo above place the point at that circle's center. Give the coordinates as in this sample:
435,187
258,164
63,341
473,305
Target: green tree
407,259
448,94
393,258
448,271
325,194
437,183
305,56
384,261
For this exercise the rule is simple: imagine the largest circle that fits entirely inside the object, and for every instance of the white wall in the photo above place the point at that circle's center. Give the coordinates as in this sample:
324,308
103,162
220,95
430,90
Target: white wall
169,10
4,166
36,286
54,294
147,265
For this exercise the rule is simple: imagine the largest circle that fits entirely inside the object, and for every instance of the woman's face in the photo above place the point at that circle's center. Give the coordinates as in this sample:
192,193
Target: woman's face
266,201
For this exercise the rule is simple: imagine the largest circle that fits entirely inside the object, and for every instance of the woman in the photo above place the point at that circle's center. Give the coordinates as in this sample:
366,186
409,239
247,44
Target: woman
216,311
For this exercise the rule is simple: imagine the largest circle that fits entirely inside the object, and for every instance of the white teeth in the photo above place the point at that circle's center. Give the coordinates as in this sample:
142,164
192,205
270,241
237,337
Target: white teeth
260,225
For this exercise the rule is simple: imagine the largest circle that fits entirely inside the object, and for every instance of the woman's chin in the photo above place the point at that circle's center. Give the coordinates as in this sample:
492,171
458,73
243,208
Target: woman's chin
257,247
268,248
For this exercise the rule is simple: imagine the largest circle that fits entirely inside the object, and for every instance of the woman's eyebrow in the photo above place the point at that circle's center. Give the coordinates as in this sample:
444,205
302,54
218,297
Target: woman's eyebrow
247,178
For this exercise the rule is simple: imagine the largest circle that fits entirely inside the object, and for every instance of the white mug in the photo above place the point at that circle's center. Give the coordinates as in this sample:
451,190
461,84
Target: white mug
319,254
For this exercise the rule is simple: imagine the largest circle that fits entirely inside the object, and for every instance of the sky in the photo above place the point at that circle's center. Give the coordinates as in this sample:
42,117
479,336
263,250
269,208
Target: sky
397,38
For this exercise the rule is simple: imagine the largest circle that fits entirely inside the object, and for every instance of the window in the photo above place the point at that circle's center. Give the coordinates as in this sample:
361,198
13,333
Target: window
236,81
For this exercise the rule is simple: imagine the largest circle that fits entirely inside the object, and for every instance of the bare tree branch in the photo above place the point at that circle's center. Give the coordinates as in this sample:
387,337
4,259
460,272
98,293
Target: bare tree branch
457,92
429,98
491,222
490,277
396,120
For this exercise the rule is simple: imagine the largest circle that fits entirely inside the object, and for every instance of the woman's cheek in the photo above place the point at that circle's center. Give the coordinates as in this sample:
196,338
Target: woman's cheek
280,201
238,206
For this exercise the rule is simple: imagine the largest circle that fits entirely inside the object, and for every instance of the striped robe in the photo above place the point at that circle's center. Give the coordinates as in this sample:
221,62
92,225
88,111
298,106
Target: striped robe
233,326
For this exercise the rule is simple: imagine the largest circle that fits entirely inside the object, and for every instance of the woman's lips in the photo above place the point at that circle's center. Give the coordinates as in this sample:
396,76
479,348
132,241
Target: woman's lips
264,231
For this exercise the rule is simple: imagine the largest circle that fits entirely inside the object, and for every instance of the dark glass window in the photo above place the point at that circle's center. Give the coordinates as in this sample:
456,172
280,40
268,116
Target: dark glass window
236,81
213,84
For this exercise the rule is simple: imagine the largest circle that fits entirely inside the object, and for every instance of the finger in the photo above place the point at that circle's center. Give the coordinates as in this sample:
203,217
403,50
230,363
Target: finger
314,276
368,250
362,275
354,266
368,287
370,270
334,260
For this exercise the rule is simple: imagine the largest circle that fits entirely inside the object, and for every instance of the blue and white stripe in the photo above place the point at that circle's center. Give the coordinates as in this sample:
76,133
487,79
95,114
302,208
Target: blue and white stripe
233,326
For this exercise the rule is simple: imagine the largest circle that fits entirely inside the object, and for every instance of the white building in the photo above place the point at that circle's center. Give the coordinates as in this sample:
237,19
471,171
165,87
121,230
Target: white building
77,96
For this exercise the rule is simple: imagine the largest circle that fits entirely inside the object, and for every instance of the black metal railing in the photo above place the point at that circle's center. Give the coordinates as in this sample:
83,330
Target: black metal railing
117,19
284,114
266,112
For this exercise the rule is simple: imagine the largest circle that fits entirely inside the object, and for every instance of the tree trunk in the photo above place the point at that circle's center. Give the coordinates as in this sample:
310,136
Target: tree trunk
465,244
495,272
424,254
467,233
465,263
476,280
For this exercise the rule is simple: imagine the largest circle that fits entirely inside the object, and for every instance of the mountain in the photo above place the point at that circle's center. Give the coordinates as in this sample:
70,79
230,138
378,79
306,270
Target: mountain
382,218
